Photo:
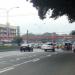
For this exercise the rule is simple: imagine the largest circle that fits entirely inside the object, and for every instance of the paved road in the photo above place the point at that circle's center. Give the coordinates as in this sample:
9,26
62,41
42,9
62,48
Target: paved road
17,52
38,63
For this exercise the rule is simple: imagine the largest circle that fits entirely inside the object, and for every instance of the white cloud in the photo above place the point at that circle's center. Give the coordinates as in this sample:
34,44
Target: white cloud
27,18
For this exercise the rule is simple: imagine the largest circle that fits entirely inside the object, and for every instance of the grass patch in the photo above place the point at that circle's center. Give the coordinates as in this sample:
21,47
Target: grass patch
8,48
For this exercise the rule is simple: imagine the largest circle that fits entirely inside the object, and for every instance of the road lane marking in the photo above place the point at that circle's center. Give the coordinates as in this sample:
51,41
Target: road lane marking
14,66
33,60
36,59
6,69
49,55
21,63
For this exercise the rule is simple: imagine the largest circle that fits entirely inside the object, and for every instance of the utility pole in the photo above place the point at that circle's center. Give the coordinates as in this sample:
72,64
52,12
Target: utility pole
18,31
27,37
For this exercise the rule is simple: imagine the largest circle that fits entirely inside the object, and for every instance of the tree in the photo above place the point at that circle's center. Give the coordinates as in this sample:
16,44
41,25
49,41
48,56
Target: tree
73,32
17,40
58,7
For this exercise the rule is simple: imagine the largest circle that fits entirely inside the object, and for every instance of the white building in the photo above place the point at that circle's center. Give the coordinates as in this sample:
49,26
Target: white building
7,33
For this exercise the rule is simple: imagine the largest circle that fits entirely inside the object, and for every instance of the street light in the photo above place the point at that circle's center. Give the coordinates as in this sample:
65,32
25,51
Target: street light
7,12
7,18
27,37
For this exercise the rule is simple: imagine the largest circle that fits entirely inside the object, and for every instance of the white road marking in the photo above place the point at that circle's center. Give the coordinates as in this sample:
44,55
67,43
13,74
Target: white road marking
14,66
36,59
48,55
33,60
21,63
6,69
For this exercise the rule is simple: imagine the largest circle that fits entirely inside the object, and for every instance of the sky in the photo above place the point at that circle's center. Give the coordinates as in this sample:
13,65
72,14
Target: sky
26,16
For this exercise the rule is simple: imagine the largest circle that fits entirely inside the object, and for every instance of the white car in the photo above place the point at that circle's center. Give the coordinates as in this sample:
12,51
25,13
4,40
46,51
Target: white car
48,46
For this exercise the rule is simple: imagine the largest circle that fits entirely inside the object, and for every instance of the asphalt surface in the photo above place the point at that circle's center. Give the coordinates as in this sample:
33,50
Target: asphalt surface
38,63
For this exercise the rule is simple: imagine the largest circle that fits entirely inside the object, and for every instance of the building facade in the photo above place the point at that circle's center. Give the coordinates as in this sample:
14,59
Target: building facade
52,38
7,33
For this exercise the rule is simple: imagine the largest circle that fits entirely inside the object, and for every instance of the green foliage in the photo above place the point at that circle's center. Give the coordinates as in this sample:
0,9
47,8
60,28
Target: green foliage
73,32
17,40
58,7
8,48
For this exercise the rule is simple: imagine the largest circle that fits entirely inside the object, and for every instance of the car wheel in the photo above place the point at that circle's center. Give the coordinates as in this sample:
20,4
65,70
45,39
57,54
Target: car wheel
21,49
45,50
31,50
53,50
24,50
74,50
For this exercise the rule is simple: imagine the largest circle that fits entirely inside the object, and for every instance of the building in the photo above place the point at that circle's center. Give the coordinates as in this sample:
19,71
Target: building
7,33
52,38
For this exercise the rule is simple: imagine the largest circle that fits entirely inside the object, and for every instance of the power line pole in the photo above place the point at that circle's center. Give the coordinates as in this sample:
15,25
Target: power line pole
27,37
18,31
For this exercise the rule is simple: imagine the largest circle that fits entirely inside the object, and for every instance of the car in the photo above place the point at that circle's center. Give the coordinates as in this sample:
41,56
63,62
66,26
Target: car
73,47
37,45
26,47
67,46
48,46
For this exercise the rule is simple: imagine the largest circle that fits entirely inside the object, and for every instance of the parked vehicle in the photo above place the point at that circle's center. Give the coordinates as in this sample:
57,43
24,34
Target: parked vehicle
26,47
67,46
37,45
48,46
73,47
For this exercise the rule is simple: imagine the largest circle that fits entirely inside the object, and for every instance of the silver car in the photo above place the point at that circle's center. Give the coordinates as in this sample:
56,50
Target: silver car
48,46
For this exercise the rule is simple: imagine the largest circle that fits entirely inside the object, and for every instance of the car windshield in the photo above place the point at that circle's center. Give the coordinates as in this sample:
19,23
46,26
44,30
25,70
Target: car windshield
67,43
50,44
